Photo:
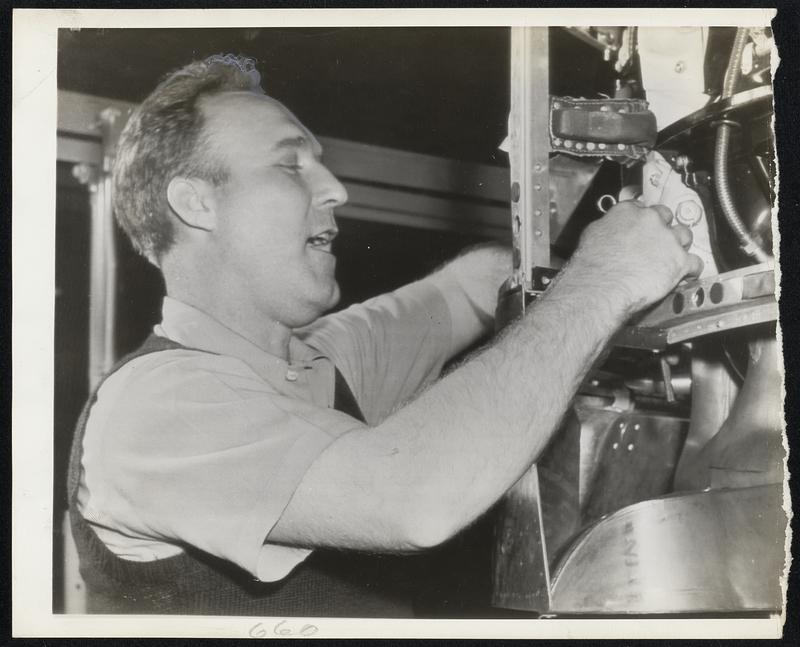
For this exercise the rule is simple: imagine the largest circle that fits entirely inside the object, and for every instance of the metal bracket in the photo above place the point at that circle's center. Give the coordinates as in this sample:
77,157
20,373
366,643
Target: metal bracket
622,129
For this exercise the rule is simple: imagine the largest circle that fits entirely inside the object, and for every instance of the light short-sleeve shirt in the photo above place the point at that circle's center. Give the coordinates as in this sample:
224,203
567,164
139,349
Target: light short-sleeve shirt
205,446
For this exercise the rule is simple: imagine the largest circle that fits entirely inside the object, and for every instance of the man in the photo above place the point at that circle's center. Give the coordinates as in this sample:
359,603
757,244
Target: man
254,458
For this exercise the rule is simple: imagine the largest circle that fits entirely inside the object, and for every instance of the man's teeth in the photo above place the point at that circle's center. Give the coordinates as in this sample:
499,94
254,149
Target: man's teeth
319,241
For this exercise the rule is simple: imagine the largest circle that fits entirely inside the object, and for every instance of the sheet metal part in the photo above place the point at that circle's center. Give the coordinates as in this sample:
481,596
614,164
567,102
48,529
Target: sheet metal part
747,449
521,576
702,552
726,301
714,391
636,461
570,178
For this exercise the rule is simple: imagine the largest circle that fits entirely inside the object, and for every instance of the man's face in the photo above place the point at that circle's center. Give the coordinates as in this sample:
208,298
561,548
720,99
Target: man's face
275,218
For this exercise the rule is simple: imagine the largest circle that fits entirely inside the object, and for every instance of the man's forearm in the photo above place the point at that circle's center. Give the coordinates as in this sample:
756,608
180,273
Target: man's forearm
443,459
440,461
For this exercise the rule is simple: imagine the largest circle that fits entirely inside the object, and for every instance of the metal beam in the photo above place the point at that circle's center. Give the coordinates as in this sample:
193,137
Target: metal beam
529,137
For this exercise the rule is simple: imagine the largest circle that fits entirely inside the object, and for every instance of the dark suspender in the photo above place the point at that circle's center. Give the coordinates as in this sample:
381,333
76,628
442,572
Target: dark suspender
328,583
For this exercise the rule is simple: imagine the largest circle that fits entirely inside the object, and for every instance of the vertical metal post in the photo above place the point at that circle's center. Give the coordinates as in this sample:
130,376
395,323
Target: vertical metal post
521,569
103,285
529,134
102,309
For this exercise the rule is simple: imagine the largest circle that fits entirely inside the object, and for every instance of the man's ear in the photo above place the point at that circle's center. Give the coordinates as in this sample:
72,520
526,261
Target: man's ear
192,201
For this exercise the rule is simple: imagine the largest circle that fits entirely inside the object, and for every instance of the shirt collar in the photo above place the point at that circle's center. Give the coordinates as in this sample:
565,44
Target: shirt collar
194,328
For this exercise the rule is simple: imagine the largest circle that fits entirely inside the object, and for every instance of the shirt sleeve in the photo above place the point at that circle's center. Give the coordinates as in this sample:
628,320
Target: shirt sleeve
388,347
196,449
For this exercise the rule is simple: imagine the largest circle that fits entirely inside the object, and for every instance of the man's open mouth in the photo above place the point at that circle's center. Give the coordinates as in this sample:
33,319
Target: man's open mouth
323,240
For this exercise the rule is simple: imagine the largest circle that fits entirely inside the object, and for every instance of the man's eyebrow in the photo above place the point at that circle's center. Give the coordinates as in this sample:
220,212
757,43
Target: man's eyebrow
298,141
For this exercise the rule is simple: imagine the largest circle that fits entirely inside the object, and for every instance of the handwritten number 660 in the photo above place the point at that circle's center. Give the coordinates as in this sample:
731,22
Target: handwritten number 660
282,629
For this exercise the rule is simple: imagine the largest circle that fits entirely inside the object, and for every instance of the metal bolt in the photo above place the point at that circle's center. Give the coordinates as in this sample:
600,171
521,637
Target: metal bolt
602,147
615,446
537,212
637,427
579,146
537,187
537,232
603,108
590,146
545,280
557,142
689,213
556,105
630,447
621,147
595,382
537,167
622,425
567,143
682,162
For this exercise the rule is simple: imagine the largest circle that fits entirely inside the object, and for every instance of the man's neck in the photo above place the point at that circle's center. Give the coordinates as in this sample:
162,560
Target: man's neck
269,335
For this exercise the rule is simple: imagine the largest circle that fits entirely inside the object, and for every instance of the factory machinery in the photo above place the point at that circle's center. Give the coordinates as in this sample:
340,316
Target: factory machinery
663,492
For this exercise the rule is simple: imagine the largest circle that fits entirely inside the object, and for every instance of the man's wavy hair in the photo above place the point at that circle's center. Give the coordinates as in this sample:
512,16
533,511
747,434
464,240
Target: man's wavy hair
164,138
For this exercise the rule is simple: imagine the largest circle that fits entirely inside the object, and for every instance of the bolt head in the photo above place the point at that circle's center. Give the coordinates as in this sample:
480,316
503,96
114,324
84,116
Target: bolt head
689,213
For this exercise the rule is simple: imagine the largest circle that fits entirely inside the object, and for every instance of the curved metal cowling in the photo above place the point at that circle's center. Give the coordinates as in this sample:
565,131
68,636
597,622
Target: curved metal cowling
729,544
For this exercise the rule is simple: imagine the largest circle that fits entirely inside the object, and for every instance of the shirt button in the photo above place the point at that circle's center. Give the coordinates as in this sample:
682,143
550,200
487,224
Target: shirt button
291,375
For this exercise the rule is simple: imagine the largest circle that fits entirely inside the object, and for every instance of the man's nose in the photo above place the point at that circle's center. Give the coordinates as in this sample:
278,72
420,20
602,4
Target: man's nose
330,192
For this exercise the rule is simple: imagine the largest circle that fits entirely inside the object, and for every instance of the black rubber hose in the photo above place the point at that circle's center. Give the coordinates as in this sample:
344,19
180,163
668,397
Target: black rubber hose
749,244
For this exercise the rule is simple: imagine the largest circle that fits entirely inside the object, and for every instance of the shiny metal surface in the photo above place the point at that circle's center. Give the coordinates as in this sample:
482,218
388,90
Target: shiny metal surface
521,576
715,551
714,390
748,447
730,300
637,461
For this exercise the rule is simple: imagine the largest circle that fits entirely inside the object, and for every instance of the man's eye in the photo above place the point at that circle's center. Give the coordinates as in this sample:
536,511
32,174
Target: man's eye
290,163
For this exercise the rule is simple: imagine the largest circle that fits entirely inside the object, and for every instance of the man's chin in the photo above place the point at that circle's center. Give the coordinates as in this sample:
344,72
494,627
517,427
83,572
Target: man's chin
336,296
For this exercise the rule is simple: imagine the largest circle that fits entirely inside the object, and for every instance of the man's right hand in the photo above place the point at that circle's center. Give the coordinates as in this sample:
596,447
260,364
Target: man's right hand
635,254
